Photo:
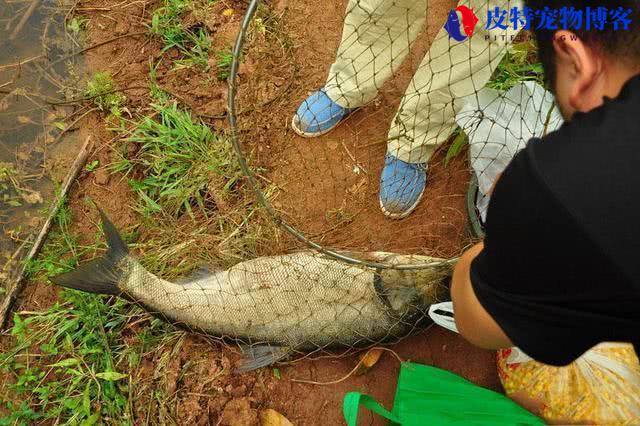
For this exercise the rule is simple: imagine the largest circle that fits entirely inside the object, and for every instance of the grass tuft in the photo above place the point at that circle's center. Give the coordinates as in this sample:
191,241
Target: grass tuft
192,43
519,64
224,59
180,158
103,92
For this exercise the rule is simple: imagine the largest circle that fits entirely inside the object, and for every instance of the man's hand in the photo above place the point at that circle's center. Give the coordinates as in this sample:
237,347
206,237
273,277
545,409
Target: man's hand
473,321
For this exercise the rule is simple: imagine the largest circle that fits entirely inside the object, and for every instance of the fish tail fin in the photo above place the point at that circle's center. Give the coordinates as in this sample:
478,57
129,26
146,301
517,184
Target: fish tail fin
100,275
261,356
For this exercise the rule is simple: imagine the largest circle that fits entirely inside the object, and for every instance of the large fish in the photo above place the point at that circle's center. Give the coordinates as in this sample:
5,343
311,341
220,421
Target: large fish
277,306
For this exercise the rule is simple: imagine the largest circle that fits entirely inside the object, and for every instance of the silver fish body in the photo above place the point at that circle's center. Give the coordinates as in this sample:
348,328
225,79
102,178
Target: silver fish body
302,300
297,302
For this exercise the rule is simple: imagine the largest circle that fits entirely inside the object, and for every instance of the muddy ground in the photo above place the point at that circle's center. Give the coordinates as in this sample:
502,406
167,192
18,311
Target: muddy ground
316,177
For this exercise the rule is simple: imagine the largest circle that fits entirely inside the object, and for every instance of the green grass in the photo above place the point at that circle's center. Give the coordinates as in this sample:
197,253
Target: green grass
224,59
64,359
192,43
72,364
80,361
103,93
180,158
519,64
77,24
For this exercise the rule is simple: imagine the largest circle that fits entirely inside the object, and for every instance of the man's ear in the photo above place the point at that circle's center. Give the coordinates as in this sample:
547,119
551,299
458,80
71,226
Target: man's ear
580,64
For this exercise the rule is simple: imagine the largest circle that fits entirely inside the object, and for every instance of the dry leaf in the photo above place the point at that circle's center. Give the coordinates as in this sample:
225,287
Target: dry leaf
33,197
227,12
368,360
4,104
23,119
270,417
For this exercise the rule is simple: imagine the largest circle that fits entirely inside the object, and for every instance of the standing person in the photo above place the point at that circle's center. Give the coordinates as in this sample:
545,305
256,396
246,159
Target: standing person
376,38
558,271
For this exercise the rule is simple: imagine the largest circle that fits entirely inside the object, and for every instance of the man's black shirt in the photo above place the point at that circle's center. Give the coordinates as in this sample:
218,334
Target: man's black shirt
560,271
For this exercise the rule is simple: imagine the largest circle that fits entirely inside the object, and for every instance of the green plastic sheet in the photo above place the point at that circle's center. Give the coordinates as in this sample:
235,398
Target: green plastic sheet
431,396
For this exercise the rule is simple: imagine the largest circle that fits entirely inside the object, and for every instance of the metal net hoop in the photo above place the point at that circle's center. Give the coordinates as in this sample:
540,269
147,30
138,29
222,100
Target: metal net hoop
232,106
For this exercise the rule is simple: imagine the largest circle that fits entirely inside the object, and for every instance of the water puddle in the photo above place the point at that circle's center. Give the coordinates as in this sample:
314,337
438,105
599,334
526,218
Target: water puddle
37,70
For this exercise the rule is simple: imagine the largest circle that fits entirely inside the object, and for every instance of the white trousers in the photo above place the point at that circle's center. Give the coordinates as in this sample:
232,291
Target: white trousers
376,38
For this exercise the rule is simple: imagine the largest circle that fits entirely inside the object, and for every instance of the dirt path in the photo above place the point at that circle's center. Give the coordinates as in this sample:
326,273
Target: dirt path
316,177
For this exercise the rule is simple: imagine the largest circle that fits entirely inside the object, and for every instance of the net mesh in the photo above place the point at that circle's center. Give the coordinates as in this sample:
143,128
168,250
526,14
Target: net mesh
360,129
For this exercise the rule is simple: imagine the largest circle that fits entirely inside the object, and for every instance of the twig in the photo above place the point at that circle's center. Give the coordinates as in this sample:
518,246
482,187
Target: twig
94,46
89,98
355,162
14,290
335,382
20,63
24,19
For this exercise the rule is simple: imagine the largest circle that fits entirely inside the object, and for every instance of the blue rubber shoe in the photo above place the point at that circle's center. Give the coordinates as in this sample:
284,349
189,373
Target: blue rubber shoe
401,186
317,115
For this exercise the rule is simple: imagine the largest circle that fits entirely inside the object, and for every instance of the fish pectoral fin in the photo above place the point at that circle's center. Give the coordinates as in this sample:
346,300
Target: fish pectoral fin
258,356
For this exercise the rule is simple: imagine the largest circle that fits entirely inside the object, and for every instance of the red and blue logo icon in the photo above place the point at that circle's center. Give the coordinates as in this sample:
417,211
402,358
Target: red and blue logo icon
469,22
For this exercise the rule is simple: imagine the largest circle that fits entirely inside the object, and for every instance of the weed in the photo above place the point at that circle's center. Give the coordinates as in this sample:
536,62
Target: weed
198,53
460,140
519,64
77,24
102,90
180,158
92,166
193,43
157,94
224,59
64,360
271,25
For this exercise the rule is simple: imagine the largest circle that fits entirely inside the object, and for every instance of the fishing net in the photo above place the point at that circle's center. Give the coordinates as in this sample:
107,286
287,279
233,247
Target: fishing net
451,88
440,89
417,84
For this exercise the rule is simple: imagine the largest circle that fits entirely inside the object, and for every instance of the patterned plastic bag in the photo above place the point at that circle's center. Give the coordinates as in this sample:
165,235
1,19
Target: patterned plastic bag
601,387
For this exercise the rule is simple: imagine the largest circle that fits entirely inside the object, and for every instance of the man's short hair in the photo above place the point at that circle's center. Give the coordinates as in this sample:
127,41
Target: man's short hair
620,45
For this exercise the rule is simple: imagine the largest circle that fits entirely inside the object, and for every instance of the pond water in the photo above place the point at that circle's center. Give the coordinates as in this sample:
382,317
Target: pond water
37,69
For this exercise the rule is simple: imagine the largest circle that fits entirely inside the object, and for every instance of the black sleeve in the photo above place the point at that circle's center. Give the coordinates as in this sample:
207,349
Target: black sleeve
539,275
